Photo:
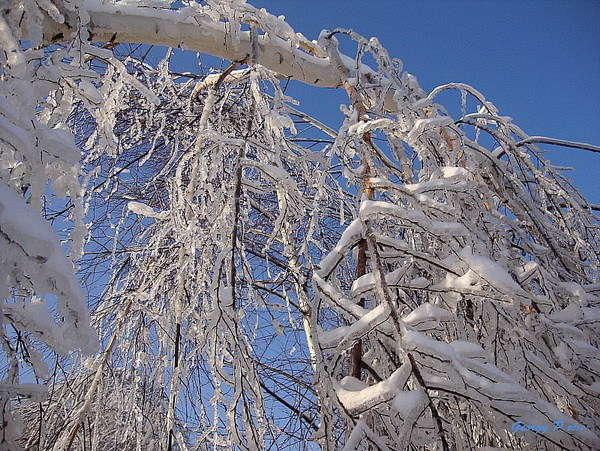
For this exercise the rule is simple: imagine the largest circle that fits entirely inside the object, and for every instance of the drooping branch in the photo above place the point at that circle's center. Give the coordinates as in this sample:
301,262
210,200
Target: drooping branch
445,288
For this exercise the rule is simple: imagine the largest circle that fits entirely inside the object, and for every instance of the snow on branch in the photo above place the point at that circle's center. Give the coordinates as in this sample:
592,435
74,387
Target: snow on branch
454,289
32,251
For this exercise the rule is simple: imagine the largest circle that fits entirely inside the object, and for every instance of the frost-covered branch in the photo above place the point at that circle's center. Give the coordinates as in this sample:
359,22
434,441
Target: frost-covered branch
259,279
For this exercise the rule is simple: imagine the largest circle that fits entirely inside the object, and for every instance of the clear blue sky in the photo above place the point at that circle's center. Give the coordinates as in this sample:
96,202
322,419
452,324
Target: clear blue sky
537,61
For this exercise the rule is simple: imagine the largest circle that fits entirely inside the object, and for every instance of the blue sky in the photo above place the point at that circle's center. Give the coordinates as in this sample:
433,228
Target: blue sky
537,61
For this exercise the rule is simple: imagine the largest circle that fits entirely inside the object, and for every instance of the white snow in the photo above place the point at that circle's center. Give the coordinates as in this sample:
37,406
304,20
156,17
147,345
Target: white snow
453,172
492,272
410,403
29,245
361,400
142,209
411,218
424,125
345,335
427,317
351,235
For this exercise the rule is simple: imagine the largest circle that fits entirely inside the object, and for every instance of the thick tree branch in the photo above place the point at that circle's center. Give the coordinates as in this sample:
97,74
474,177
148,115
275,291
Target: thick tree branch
171,28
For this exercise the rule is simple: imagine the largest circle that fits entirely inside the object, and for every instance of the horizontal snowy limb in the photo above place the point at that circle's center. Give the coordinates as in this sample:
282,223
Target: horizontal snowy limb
174,28
178,29
369,208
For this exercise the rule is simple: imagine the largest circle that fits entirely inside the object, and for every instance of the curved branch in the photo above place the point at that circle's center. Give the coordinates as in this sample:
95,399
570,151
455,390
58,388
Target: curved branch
558,142
174,28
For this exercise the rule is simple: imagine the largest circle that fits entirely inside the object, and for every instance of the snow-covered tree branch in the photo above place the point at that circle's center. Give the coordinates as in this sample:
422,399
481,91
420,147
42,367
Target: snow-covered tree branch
258,279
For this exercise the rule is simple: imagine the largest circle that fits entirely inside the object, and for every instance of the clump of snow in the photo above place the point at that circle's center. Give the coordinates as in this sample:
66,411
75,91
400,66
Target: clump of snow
357,399
424,125
428,317
491,272
145,210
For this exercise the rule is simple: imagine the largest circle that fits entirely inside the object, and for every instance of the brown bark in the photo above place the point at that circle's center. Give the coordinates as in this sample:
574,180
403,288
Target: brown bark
361,270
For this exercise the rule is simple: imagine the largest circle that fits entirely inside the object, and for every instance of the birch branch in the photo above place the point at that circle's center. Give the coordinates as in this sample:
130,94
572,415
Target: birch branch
174,28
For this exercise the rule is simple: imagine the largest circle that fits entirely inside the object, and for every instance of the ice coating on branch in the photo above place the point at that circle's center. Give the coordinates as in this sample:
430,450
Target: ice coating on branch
412,218
463,247
473,255
36,318
40,167
145,210
422,126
